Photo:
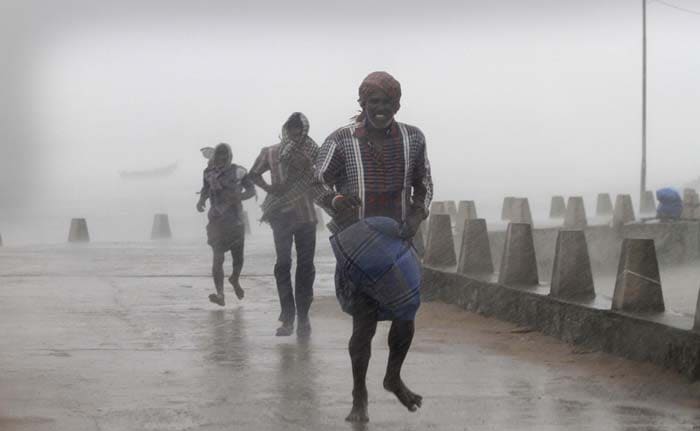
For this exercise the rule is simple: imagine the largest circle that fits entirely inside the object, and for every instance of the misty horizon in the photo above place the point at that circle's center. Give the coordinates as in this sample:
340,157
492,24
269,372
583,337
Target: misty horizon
514,99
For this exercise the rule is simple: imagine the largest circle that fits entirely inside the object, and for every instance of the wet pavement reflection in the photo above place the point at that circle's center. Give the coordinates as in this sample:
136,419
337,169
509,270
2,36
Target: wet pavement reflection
82,350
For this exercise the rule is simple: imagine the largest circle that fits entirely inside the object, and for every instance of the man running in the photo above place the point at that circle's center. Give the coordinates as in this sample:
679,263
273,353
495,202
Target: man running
375,167
289,209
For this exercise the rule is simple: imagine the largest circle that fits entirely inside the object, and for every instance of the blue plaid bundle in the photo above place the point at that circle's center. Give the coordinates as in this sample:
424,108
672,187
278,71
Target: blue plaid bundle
373,260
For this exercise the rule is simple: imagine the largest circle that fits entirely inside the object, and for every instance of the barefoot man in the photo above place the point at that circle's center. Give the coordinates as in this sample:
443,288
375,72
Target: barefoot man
375,167
225,185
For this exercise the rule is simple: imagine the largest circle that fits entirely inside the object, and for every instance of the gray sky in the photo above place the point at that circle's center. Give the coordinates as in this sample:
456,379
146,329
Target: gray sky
515,97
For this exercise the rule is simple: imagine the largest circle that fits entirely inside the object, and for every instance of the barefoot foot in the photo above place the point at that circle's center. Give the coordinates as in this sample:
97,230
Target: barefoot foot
217,299
237,289
411,400
358,414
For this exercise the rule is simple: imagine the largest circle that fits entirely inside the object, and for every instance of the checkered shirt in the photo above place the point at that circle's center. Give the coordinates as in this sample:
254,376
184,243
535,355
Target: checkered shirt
301,209
390,183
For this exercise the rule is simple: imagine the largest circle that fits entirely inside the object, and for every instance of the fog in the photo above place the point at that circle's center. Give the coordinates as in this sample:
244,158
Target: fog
515,98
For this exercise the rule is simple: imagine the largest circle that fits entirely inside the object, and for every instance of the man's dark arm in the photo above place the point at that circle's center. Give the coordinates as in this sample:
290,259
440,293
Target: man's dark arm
259,181
422,184
422,193
327,169
259,168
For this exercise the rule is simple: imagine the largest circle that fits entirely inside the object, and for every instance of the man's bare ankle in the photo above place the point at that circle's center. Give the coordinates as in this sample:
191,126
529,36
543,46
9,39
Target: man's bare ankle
359,394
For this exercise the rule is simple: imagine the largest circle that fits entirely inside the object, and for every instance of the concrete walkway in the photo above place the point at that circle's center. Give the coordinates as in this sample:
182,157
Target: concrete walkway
121,337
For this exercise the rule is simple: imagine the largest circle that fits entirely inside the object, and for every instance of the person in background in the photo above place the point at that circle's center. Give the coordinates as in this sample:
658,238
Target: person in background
670,206
375,167
226,185
289,209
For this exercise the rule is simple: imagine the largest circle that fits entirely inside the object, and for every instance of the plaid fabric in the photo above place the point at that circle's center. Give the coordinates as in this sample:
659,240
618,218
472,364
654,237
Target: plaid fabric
296,159
268,161
386,204
389,185
291,165
223,187
377,272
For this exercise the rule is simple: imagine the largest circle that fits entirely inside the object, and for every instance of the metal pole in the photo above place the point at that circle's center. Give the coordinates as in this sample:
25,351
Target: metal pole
643,183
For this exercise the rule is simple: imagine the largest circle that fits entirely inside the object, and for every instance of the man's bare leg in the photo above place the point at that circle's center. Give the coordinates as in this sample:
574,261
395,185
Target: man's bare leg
360,347
237,258
217,272
234,280
400,338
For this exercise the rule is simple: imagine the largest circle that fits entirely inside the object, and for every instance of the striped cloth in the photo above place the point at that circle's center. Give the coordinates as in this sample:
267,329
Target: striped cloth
391,183
377,272
292,165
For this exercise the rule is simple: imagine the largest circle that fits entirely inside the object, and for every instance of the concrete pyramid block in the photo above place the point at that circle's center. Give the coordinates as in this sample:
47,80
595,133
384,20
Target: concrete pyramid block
624,210
161,227
78,231
648,203
521,211
604,206
440,249
423,229
558,207
246,222
466,210
419,240
519,262
687,204
507,209
475,252
638,283
575,214
438,207
451,209
691,204
571,274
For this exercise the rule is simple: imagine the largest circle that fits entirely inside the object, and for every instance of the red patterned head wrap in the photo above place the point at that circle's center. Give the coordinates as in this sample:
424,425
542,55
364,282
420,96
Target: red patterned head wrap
380,81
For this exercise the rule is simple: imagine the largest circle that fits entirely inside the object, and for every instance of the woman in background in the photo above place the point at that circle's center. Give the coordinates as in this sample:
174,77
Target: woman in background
226,185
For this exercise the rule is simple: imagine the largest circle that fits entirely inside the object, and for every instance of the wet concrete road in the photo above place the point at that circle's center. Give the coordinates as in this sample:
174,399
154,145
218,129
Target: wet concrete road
121,337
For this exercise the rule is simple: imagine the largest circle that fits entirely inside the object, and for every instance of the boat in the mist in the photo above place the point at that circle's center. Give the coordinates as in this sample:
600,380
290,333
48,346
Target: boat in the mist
159,172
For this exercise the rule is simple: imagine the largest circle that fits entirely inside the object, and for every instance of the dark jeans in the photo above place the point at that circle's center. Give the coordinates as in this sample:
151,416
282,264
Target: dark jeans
298,300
